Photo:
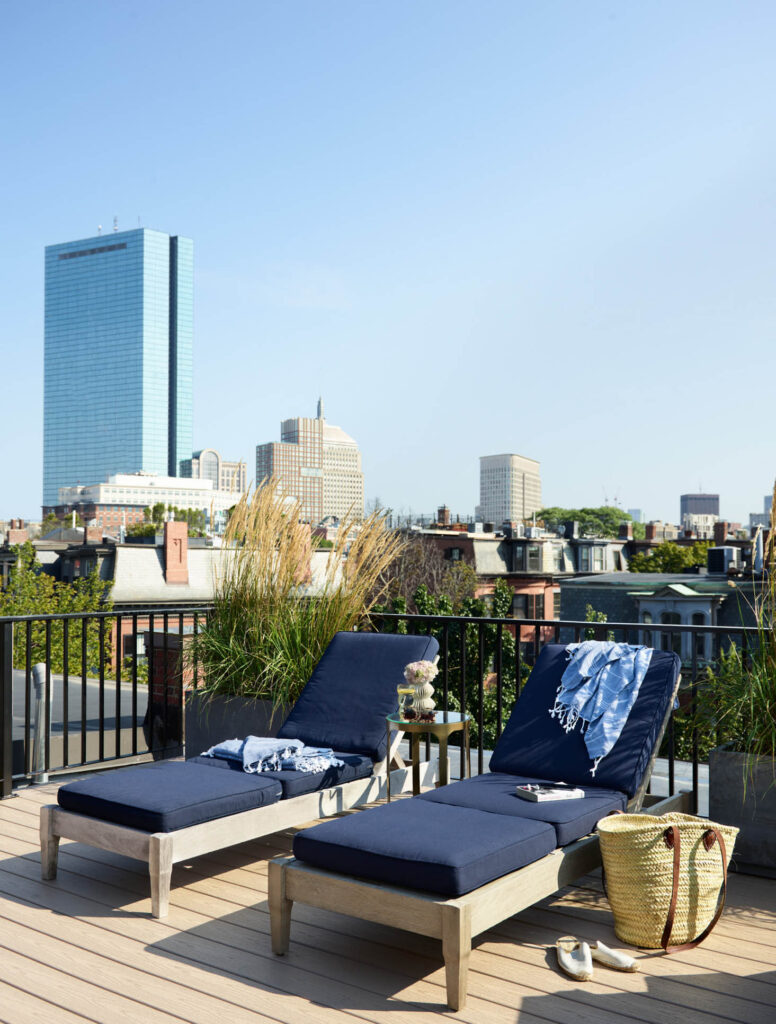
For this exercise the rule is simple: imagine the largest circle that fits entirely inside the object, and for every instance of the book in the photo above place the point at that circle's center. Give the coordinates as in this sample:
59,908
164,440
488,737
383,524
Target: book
539,793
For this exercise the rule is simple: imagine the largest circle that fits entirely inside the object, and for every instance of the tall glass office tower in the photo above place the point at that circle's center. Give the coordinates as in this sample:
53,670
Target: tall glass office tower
117,364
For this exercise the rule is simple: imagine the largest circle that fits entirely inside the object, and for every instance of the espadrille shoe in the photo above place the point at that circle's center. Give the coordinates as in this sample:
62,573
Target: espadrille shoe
611,958
574,958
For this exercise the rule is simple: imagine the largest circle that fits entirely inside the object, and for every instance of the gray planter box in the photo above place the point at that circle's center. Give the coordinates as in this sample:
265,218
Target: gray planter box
209,720
749,804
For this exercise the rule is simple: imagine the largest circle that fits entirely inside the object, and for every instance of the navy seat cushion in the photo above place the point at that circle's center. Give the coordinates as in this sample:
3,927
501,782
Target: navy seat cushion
167,795
495,792
355,766
353,688
423,845
534,744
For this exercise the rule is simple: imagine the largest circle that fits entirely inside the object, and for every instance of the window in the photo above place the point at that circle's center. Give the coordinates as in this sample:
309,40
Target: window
598,559
557,557
584,559
556,604
699,639
454,554
534,558
646,618
519,558
528,606
671,641
91,252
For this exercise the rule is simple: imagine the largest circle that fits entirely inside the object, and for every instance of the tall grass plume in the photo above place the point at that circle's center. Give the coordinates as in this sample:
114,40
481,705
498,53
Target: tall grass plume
271,620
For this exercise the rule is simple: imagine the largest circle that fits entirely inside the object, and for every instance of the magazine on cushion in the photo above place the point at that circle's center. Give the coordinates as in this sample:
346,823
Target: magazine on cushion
540,793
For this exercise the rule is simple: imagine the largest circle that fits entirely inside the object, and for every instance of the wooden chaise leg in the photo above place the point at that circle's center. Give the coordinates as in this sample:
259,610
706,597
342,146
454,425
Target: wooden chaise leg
279,909
456,948
49,843
160,870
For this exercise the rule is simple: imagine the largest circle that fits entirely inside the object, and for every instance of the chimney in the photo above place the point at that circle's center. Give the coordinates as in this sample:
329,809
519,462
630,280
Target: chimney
16,533
721,531
92,535
626,531
443,515
650,531
176,552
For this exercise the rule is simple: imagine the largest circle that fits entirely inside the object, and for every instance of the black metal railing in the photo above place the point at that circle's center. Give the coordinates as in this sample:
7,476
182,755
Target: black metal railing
104,696
85,689
484,662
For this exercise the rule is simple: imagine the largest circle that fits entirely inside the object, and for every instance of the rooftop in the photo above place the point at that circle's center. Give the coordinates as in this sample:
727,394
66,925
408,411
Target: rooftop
683,582
84,948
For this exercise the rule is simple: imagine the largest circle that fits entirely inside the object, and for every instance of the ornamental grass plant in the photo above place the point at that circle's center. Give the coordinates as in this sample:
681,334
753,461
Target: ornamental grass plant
271,622
738,699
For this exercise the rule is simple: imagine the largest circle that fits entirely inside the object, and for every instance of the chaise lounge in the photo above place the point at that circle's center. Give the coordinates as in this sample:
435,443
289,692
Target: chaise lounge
455,861
169,811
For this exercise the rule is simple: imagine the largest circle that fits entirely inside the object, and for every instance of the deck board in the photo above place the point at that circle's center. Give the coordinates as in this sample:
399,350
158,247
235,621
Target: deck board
84,948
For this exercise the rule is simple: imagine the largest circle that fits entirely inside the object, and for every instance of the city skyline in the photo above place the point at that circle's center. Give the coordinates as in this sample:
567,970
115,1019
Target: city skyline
540,229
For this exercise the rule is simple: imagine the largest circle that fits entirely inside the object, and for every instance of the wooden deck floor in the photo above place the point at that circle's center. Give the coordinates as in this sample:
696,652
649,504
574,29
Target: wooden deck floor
84,948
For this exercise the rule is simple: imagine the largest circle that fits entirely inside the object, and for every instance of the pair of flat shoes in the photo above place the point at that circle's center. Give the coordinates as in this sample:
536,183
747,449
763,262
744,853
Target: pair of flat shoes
576,958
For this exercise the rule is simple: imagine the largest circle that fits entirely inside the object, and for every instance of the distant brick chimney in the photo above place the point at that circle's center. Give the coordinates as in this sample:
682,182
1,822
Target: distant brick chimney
650,531
176,553
721,531
626,531
443,515
92,535
16,532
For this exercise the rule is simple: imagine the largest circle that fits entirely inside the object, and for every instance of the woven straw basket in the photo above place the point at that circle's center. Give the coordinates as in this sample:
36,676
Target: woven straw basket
640,853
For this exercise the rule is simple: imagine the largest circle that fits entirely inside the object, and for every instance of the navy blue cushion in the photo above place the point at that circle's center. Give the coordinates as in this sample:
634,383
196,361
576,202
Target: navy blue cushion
534,744
429,846
352,689
495,792
167,795
355,766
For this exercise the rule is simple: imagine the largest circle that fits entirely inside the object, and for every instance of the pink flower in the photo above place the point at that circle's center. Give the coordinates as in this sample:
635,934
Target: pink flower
419,672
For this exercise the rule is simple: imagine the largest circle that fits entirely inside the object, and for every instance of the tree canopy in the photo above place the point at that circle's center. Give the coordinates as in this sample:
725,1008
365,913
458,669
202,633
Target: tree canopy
31,591
155,516
598,522
670,557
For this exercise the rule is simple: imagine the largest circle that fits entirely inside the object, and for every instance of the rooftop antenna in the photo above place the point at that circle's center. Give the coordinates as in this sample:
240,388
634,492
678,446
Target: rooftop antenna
99,229
138,220
115,223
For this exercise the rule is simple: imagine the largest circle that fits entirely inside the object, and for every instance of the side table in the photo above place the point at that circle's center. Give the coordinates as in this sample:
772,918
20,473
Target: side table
444,724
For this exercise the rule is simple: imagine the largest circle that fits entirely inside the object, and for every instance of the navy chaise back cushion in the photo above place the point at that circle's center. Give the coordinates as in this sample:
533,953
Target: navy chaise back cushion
352,689
534,744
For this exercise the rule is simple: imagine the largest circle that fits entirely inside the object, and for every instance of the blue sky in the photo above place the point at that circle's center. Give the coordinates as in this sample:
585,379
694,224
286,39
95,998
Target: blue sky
541,227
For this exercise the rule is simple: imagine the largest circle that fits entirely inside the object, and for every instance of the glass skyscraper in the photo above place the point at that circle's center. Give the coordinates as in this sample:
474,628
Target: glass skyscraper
117,364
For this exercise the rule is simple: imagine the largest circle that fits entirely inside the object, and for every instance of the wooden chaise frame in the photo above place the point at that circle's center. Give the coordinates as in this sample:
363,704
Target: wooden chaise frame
455,921
160,850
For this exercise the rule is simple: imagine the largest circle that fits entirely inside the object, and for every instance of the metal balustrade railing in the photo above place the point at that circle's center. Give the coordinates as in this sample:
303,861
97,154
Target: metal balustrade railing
112,687
115,681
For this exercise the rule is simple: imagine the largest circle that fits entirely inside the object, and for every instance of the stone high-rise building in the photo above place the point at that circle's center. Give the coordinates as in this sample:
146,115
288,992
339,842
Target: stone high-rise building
207,464
698,504
343,481
318,464
510,488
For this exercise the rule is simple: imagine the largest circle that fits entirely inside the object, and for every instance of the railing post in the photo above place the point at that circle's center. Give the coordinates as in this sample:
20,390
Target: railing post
6,709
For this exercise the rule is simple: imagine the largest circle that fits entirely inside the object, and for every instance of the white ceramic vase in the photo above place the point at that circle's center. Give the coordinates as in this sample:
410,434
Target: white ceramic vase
422,699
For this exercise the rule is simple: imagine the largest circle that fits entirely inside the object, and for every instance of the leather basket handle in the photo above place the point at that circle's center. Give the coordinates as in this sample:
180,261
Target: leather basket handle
671,837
